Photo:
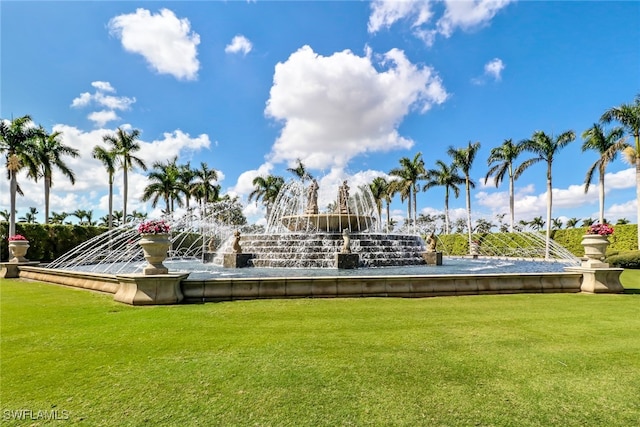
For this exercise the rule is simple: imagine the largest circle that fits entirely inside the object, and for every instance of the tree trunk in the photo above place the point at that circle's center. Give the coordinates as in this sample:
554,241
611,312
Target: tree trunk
124,195
110,205
47,191
469,211
601,196
638,194
511,203
549,203
446,211
12,215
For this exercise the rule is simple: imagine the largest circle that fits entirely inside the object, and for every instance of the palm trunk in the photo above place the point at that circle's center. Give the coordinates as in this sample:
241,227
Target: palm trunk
511,203
469,211
124,194
601,196
47,191
415,208
388,217
110,204
12,215
446,211
549,203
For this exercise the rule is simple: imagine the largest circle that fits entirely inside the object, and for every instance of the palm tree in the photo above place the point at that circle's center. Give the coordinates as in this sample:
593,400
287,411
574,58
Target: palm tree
186,177
300,171
446,176
165,184
17,138
380,189
48,153
30,217
537,223
608,147
463,158
80,214
622,221
501,162
545,147
108,159
204,189
409,173
58,218
628,115
588,222
556,223
266,189
124,144
4,214
572,222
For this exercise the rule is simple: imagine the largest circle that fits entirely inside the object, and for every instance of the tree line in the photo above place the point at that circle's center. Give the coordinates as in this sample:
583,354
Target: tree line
31,147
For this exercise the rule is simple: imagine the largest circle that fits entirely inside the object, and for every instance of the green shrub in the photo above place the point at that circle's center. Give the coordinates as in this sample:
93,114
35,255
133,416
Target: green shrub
629,259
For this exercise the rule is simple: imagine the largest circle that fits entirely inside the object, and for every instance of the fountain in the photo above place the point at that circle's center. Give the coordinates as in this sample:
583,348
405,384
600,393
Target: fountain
298,254
299,235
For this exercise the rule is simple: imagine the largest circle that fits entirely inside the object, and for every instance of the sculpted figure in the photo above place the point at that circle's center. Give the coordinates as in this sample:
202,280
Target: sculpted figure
236,243
312,198
343,198
431,243
346,247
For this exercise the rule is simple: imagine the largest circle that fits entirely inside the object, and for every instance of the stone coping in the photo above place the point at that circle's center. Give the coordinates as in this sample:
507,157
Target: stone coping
242,288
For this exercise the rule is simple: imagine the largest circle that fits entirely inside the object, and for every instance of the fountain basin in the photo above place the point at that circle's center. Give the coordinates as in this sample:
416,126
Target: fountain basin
328,222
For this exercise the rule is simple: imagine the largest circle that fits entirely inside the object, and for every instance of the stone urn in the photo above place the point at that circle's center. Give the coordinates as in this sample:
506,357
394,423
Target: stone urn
595,246
18,249
155,248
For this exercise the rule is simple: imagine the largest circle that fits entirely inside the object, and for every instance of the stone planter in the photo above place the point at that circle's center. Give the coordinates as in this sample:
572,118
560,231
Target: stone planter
155,248
18,249
595,246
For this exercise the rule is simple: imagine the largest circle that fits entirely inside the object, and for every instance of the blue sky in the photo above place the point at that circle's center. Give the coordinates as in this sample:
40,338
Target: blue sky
349,87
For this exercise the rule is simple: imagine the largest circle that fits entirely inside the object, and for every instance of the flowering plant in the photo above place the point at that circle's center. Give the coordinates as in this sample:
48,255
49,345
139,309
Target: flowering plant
17,237
154,226
601,229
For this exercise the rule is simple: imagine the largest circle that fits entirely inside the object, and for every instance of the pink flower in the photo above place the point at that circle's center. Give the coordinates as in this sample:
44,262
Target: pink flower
17,237
601,229
154,226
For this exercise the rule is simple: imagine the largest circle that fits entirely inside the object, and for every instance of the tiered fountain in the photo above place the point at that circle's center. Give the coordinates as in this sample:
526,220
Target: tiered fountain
298,235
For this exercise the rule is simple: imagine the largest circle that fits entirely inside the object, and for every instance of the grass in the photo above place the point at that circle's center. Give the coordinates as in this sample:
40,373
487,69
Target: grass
510,360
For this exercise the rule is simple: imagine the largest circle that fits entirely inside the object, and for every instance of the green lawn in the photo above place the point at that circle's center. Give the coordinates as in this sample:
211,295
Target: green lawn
504,360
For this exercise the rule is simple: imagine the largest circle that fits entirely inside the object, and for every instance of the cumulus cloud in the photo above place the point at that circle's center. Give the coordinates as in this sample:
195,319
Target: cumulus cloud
239,44
492,71
107,103
336,107
462,14
166,42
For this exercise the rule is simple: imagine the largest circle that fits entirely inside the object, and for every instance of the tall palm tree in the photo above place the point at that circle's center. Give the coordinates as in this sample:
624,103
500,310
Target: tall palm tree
48,154
204,189
17,138
410,172
501,162
537,223
446,176
186,177
58,218
572,222
607,145
628,115
266,189
108,159
124,144
463,158
300,171
165,184
382,191
545,147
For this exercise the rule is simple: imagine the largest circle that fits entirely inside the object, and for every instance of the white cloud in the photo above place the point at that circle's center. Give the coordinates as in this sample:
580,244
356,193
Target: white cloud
166,42
109,103
101,118
239,44
336,107
494,68
244,184
463,14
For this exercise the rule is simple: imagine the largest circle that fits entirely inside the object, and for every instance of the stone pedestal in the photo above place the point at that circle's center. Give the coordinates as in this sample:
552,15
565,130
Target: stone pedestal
599,280
432,258
347,261
144,289
207,257
236,260
11,270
